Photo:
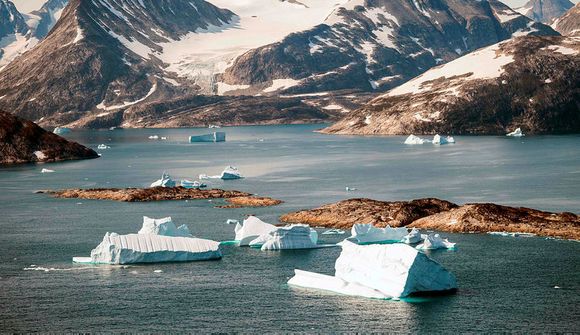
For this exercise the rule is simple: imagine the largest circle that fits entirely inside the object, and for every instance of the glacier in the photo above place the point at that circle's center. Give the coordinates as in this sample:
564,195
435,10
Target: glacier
367,233
250,229
164,227
434,241
383,271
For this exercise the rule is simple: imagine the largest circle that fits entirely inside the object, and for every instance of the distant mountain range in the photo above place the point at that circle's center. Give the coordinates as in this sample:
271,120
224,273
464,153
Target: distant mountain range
545,11
569,23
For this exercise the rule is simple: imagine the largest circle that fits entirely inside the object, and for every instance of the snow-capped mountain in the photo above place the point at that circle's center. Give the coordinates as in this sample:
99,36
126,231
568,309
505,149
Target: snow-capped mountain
569,23
545,11
374,45
528,82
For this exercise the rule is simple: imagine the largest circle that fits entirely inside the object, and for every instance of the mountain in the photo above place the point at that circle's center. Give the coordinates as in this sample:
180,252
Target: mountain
22,141
374,45
569,23
531,82
545,11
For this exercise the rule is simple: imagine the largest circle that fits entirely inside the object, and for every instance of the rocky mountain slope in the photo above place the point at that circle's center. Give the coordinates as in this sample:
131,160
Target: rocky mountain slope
22,141
374,45
569,23
545,11
530,82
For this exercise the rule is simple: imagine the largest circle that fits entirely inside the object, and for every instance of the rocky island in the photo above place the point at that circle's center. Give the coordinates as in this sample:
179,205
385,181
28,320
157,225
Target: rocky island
435,214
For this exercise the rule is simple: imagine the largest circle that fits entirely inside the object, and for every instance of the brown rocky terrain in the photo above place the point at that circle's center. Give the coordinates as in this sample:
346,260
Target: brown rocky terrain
22,141
345,214
242,199
435,214
545,11
569,23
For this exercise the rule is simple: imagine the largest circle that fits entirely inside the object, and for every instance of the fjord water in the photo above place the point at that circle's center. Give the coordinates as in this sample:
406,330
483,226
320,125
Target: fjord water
506,284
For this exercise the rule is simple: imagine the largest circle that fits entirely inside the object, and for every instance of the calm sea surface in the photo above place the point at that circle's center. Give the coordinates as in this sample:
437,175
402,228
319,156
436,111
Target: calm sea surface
506,284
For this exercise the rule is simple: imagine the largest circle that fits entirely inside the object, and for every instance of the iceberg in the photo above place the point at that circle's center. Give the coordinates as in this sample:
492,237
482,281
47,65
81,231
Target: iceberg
251,229
413,140
334,232
413,237
367,234
165,181
211,126
516,234
46,171
516,133
229,173
192,184
437,139
103,147
213,137
164,227
61,130
150,248
298,236
232,221
434,241
350,189
387,271
154,137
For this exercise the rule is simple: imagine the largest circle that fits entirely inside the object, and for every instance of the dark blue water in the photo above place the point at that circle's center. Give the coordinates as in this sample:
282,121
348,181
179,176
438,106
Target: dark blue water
506,284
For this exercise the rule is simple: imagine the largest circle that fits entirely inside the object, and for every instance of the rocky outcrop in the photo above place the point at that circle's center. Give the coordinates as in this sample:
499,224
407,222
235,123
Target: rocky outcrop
242,199
22,141
376,45
491,217
545,11
529,82
345,214
569,23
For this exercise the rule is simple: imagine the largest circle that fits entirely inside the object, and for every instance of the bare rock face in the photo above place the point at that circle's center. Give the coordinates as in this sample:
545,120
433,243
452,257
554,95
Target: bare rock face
530,82
491,217
22,141
569,23
345,214
545,11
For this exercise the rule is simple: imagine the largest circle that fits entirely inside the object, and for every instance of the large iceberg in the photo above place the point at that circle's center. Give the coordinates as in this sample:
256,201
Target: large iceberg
367,234
251,229
434,241
437,139
413,237
164,226
229,173
516,133
213,137
150,248
296,236
413,140
380,271
165,181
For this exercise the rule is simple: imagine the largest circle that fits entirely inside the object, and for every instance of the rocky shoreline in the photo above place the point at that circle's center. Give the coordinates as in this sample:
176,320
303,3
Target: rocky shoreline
237,199
436,214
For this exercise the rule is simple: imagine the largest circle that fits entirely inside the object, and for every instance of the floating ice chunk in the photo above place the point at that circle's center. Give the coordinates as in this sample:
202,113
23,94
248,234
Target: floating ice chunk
439,140
334,232
434,241
158,271
296,236
192,184
46,171
516,133
232,221
213,137
367,233
61,130
229,173
413,140
164,226
163,138
350,189
154,137
516,234
165,181
150,248
211,126
103,147
413,237
250,229
380,271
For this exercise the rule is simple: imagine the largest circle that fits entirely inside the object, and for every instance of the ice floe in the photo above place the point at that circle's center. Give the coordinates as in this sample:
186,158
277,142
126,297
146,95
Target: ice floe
439,140
380,271
516,133
165,181
434,241
192,184
509,234
413,237
367,234
46,171
350,189
229,173
103,147
232,221
164,226
154,137
250,229
414,140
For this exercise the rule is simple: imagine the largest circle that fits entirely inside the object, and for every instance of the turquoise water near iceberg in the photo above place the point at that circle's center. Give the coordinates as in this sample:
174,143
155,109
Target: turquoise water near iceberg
506,284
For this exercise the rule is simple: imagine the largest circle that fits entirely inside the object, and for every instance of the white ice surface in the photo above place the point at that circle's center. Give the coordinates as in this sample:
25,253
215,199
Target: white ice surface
250,229
434,241
291,237
367,233
414,140
164,226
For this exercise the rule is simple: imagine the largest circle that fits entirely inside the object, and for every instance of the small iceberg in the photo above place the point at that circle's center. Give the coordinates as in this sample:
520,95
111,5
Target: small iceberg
103,147
229,173
516,234
154,137
368,234
192,184
61,130
213,137
46,171
434,241
516,133
165,181
164,138
439,140
211,126
297,236
250,229
388,271
150,248
164,227
232,221
413,237
414,140
334,232
350,189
